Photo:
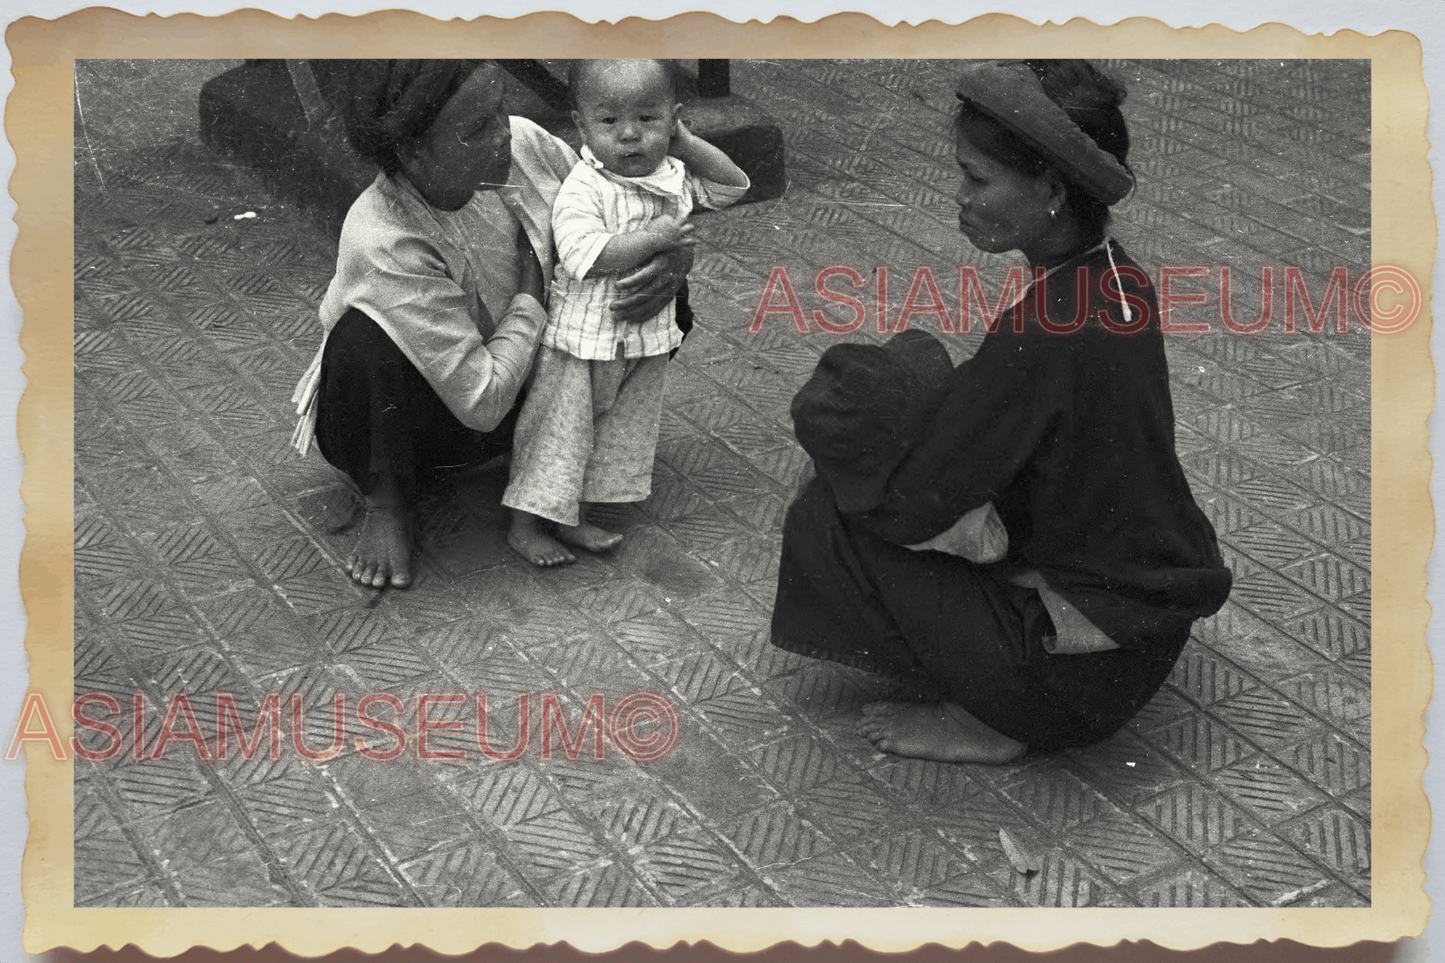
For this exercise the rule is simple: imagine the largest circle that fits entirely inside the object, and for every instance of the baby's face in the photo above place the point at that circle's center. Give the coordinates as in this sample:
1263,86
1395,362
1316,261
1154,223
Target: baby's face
625,112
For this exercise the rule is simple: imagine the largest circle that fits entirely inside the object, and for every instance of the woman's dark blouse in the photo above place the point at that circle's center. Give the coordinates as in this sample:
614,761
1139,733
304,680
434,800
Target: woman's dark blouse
1072,436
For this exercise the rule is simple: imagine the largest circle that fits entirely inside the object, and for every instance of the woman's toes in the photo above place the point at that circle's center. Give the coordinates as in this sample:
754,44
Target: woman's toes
382,554
874,730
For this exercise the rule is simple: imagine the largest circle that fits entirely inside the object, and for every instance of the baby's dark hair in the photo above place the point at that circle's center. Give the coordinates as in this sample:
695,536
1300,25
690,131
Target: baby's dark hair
1092,100
677,78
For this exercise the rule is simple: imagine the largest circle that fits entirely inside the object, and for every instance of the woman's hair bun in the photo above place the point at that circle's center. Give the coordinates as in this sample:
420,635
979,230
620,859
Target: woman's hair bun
1090,97
388,105
1078,84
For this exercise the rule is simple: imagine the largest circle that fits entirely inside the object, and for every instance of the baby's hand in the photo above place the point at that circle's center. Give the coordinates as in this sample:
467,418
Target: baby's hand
680,135
672,233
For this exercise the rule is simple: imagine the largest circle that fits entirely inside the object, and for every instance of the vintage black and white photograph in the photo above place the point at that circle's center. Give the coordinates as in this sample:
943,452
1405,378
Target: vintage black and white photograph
964,501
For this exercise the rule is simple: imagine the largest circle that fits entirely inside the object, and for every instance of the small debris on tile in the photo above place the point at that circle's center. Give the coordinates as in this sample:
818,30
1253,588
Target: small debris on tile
1018,854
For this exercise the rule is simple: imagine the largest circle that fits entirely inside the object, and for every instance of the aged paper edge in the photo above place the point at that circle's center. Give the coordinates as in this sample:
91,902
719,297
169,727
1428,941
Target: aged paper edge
38,123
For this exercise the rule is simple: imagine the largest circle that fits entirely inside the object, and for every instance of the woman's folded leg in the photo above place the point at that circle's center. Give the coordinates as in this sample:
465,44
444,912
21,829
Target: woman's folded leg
381,423
826,605
847,595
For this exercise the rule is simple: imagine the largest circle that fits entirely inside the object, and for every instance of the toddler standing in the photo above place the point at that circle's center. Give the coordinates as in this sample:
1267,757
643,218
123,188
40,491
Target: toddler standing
588,429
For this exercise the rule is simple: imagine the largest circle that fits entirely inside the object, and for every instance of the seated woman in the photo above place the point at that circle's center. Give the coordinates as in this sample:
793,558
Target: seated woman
436,308
1063,420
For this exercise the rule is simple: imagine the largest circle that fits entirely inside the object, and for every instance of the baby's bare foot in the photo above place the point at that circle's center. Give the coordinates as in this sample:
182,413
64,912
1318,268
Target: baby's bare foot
529,541
587,536
382,554
935,730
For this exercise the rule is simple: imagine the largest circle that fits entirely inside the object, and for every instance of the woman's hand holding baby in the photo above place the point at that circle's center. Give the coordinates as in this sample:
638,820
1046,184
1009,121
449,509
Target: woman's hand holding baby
646,291
633,249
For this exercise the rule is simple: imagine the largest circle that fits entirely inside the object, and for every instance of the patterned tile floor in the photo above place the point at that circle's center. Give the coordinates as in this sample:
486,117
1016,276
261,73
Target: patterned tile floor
207,551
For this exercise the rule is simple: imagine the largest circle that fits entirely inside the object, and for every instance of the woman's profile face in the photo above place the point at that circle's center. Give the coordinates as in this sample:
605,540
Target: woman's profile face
1000,208
468,147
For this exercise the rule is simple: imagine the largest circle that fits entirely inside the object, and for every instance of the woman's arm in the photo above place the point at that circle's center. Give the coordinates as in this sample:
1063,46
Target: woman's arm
514,342
530,278
402,282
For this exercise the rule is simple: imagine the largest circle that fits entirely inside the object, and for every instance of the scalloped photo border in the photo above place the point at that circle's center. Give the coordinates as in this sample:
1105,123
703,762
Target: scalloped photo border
39,126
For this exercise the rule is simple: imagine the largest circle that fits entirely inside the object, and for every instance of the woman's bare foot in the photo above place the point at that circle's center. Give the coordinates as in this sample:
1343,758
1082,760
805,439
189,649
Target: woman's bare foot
382,554
587,536
532,543
935,730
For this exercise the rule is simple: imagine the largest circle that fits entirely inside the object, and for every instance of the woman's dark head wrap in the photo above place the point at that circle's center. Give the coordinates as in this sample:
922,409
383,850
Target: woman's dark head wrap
388,105
1013,93
1060,114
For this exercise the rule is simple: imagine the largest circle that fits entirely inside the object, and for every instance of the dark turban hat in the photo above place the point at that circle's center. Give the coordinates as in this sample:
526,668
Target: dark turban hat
1010,93
388,105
